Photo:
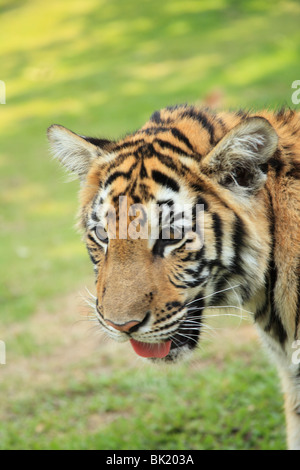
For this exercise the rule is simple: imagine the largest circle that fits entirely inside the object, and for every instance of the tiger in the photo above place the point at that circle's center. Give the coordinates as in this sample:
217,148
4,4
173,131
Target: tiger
243,169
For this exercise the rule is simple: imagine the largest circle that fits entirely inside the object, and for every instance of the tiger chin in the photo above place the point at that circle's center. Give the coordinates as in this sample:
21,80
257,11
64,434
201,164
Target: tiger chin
194,211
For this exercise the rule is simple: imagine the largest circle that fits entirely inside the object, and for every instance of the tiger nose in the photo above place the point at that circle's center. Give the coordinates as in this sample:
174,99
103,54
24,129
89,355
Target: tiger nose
130,326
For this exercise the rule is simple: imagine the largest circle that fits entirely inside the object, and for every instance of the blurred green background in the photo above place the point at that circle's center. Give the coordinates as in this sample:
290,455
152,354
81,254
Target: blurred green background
101,67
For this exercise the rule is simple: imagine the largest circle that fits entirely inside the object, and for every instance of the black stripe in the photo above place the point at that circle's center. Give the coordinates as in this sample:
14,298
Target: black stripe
104,144
246,292
92,239
131,187
280,114
114,176
220,293
285,114
165,180
179,286
164,159
169,203
221,123
117,174
189,257
200,254
201,201
131,143
276,163
143,171
203,187
136,199
194,312
294,172
242,113
238,243
202,119
171,305
263,310
190,272
145,191
174,131
118,161
274,325
182,138
159,248
94,215
217,226
155,130
277,328
172,147
169,162
93,260
192,284
91,249
156,117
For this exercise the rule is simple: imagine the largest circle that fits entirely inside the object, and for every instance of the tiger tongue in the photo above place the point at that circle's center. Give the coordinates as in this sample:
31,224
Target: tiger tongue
157,350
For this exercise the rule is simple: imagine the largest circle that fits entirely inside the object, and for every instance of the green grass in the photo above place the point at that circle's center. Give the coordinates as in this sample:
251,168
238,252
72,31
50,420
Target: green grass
231,404
101,67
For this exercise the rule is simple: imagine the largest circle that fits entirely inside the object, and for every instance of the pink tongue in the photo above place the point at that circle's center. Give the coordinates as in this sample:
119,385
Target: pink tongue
151,349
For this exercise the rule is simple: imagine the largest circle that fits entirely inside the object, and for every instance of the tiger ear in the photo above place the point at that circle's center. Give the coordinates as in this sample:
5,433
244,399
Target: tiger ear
75,152
239,160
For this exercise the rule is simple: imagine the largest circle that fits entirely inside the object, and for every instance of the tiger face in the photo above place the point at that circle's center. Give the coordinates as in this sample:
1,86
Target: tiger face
174,221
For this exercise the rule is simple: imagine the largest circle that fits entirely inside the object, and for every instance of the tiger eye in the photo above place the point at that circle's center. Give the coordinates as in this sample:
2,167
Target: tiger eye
101,234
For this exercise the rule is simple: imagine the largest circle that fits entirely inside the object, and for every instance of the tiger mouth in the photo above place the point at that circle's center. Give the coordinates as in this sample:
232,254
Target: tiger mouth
182,342
170,348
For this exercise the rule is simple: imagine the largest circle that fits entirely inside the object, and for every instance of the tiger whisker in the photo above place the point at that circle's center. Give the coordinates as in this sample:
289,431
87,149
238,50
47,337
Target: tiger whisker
220,306
173,339
195,320
90,294
238,299
87,301
210,295
189,337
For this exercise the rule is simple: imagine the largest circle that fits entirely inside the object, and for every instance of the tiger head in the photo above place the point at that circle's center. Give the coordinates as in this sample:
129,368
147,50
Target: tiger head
174,218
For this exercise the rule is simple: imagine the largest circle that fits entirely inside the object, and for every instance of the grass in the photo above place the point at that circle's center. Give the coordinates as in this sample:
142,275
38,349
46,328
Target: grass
88,393
101,68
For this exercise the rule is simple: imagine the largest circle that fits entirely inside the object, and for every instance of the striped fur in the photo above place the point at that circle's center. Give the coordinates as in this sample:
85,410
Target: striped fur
244,169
